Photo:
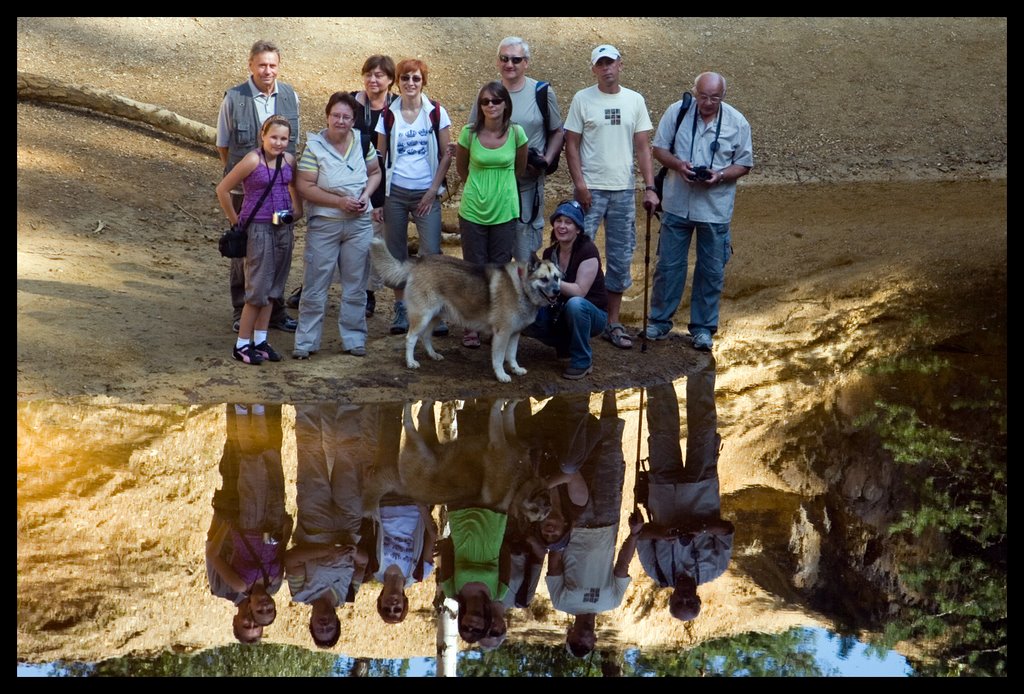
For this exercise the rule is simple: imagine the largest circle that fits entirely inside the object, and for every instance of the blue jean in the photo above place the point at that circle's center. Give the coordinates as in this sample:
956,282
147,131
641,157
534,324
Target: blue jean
579,321
617,209
714,247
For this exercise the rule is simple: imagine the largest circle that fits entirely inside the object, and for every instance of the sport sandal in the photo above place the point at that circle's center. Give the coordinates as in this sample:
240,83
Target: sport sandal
617,335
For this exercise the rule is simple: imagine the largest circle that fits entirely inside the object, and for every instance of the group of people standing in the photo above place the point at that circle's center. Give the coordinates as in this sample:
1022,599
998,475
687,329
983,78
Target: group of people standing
383,160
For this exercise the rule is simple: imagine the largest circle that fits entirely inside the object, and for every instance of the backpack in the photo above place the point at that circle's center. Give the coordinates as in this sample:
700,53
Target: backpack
542,104
659,179
435,122
367,116
365,142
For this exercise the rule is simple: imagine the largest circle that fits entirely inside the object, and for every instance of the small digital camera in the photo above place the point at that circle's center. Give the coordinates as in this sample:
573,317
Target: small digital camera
702,173
282,217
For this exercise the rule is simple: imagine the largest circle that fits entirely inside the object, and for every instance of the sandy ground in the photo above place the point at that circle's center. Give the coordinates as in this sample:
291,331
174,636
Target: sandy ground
874,220
122,294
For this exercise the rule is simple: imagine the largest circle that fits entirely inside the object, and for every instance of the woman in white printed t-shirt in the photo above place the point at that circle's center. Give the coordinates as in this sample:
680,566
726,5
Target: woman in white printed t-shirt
417,162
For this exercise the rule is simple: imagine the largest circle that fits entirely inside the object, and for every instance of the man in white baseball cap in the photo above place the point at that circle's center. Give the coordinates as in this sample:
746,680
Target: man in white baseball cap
606,127
605,50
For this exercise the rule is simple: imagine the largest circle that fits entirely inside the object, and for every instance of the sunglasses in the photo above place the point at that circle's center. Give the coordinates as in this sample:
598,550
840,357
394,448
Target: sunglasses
414,78
571,203
516,59
491,102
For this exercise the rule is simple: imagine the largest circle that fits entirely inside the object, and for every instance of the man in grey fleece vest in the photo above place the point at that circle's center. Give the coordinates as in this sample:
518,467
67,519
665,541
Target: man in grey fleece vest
242,113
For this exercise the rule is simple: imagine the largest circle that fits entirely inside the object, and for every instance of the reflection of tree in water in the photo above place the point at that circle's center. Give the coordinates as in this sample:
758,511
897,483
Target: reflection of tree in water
236,660
371,667
758,655
789,654
749,655
909,537
960,515
240,660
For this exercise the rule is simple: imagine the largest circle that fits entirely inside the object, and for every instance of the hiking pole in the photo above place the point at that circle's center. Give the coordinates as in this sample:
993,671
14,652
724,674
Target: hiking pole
639,480
647,263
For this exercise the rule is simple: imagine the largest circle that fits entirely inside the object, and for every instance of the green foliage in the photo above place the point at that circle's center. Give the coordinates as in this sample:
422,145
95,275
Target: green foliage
528,660
960,512
236,660
756,655
928,365
790,654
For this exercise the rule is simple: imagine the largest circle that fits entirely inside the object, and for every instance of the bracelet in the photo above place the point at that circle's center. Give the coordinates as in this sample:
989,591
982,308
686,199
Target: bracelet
651,188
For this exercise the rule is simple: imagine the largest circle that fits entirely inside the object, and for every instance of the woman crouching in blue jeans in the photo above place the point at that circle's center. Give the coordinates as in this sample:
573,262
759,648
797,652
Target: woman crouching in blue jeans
582,309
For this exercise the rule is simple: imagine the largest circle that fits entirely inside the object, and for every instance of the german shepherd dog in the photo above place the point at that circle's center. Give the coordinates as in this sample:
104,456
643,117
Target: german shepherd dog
501,300
492,470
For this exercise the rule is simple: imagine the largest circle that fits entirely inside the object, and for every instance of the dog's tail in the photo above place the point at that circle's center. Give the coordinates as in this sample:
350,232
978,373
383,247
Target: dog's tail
393,271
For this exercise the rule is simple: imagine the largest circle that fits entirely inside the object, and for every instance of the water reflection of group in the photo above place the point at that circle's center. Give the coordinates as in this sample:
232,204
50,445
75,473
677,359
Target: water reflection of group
249,530
686,542
513,488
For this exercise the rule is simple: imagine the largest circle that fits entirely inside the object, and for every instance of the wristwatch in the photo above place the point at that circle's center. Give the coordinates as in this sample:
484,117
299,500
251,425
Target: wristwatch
651,188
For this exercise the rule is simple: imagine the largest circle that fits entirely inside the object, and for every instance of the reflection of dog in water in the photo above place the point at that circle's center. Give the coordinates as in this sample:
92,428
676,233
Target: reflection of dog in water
491,471
500,300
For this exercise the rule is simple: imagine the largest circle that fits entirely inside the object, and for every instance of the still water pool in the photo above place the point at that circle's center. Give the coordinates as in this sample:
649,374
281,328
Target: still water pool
873,542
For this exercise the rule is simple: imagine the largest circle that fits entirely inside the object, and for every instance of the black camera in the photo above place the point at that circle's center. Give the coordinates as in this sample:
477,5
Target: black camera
536,161
282,217
702,173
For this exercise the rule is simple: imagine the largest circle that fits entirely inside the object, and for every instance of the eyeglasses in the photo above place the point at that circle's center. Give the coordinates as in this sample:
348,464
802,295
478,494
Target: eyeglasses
347,119
713,98
516,59
491,102
414,78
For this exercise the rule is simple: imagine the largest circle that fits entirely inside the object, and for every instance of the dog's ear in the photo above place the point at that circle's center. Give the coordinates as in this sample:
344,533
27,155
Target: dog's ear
532,263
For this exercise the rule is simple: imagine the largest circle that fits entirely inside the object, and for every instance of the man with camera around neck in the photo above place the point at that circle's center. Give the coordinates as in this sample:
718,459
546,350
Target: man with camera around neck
545,147
242,113
705,156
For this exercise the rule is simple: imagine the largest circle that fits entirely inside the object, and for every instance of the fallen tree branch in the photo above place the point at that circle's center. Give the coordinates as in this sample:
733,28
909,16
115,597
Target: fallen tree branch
199,221
40,88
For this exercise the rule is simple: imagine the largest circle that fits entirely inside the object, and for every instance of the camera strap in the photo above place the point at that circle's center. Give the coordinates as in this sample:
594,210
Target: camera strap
714,145
256,558
277,170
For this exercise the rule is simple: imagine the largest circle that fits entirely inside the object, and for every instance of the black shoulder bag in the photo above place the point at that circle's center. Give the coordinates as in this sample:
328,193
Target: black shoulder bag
234,242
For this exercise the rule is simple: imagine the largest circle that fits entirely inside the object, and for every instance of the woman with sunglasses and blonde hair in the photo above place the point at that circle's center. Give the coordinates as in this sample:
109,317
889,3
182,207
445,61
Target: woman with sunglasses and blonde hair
415,142
490,155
